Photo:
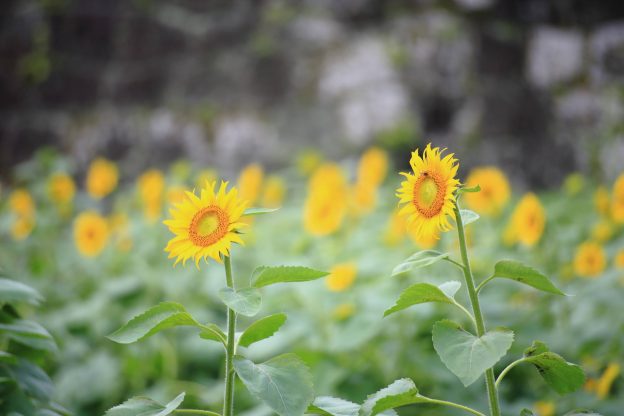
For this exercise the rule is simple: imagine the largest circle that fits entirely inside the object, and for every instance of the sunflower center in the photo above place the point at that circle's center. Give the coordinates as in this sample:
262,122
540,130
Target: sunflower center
208,226
429,194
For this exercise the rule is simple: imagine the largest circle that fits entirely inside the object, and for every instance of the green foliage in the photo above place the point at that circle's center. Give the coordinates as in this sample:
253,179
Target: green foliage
143,406
332,406
265,275
14,292
419,293
467,355
262,329
244,301
284,383
258,211
468,216
162,316
418,260
560,375
400,393
509,269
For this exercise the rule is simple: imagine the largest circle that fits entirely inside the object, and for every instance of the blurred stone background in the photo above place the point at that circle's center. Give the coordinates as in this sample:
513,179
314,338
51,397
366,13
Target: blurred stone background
534,86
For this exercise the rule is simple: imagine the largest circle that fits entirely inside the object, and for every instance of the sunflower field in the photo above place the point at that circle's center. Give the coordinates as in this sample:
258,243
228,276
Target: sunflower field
332,287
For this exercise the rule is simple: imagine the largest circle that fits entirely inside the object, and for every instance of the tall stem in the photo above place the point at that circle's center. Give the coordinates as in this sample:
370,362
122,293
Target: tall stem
228,402
476,308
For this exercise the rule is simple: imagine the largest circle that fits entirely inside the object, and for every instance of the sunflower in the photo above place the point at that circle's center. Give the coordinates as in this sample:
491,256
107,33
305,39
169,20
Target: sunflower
91,232
396,229
617,203
426,241
544,408
274,191
102,178
250,182
603,384
527,221
22,227
327,200
151,186
22,203
590,260
343,311
61,189
341,277
373,167
494,194
363,198
428,195
206,225
602,200
602,231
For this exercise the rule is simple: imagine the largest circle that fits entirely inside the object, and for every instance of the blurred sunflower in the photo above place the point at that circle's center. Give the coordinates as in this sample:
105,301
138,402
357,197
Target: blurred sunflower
308,161
373,167
91,233
363,198
102,178
527,221
395,230
544,408
61,189
151,186
428,195
341,277
602,200
250,182
21,203
574,183
327,201
22,227
617,203
274,191
176,194
602,231
619,259
494,194
343,311
590,259
205,226
603,384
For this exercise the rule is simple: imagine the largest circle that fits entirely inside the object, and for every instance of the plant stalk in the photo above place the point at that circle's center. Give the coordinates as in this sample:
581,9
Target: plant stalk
228,402
476,308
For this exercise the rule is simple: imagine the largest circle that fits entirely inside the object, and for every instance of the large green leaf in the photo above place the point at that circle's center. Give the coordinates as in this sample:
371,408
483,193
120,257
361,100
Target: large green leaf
258,211
244,301
144,406
562,376
467,216
332,406
418,260
32,380
265,275
262,329
466,355
29,333
284,383
514,270
400,393
213,333
162,316
12,291
417,294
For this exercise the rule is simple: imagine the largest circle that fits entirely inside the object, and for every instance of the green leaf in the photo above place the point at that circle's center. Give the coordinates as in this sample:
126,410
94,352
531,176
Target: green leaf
526,412
284,383
416,294
7,358
514,270
29,333
469,190
420,259
560,375
162,316
213,333
245,301
32,380
262,329
450,288
264,275
400,393
12,291
468,216
332,406
144,406
466,355
258,211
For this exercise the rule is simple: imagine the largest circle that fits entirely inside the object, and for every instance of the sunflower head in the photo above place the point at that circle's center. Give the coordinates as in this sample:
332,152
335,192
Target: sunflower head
91,233
427,195
617,203
274,191
341,277
102,178
151,185
22,203
206,225
590,260
61,188
22,227
250,182
373,167
327,200
527,221
494,193
602,200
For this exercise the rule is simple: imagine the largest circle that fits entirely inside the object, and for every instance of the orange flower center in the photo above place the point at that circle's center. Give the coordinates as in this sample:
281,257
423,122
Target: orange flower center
208,226
429,194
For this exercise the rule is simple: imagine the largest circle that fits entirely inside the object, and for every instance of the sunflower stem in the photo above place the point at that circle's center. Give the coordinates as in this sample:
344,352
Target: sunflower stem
230,349
476,308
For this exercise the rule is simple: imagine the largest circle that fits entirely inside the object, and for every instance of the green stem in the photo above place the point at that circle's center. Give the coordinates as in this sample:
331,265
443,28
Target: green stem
230,350
455,405
467,312
476,308
196,412
483,283
507,369
450,260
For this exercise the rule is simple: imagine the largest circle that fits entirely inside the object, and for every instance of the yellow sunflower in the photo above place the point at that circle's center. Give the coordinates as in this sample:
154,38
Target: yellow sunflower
22,227
617,203
428,195
543,408
590,259
205,226
341,277
327,202
494,194
396,229
102,178
527,221
274,192
21,203
91,233
602,200
61,189
373,167
250,182
151,186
